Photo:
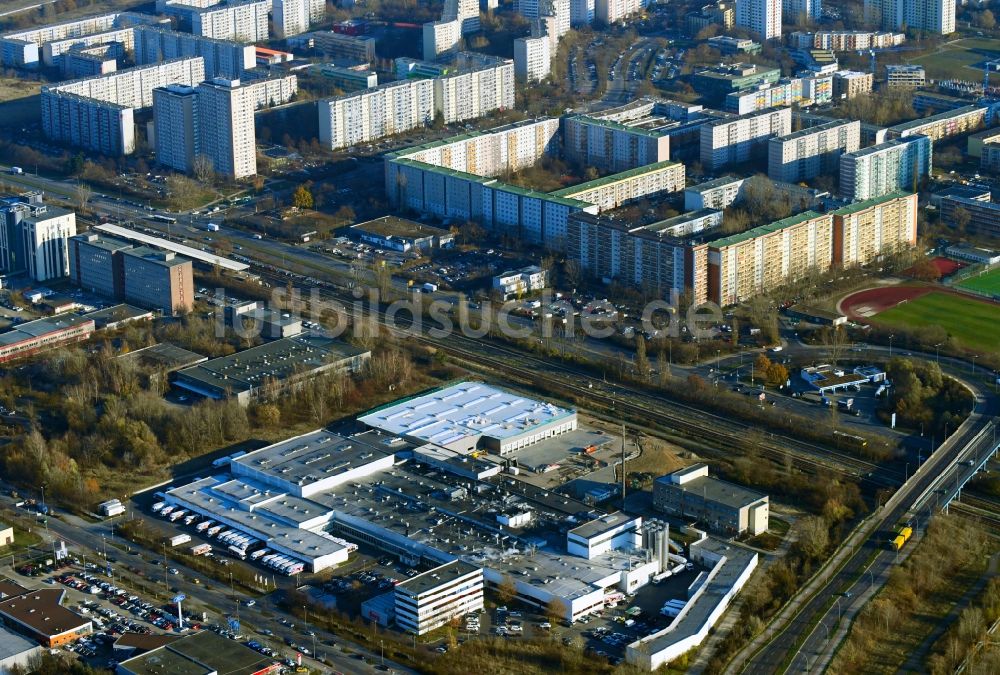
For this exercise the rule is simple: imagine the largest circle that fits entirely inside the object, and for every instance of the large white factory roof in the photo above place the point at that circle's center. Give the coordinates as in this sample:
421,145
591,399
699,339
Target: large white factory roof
468,409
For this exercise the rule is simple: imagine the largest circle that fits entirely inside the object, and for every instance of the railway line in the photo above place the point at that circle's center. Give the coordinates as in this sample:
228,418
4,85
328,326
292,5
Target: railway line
624,399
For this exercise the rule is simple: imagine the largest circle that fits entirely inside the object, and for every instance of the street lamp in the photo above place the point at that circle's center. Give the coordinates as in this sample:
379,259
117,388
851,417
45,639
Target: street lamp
937,353
891,336
976,356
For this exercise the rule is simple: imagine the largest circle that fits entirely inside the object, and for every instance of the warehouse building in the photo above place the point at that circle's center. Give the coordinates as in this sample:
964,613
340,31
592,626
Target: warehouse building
432,599
470,416
690,494
16,651
270,368
608,533
43,334
400,234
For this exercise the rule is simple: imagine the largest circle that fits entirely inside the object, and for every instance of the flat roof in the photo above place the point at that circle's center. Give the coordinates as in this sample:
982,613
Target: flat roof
450,414
719,491
401,228
887,145
8,587
12,644
431,579
164,355
801,133
868,203
40,327
940,117
156,256
614,178
102,241
118,313
203,652
143,641
611,124
277,360
319,454
42,611
714,183
187,251
601,525
764,230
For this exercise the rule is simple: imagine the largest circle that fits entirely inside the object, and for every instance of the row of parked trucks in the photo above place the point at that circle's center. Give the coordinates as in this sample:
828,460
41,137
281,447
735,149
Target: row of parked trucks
238,544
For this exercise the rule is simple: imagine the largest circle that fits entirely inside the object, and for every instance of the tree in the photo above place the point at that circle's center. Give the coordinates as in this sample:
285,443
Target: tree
641,360
926,270
960,218
814,537
203,168
267,415
302,198
555,610
506,590
987,20
776,374
83,195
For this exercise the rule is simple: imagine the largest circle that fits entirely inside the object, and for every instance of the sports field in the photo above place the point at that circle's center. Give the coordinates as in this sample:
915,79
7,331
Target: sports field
989,282
971,322
961,59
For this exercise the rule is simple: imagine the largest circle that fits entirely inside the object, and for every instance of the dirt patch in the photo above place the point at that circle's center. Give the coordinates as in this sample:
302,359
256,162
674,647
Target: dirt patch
865,304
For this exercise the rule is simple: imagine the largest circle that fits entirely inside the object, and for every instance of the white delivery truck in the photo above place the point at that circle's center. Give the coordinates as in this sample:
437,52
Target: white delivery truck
179,539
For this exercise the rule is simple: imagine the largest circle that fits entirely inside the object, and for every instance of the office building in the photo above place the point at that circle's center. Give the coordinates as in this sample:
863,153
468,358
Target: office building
761,17
292,17
432,599
942,125
368,115
98,113
341,46
615,11
899,164
43,334
737,140
144,276
33,237
813,151
906,76
441,37
517,283
237,20
795,11
933,16
158,279
532,58
848,84
222,58
984,216
714,84
767,257
864,231
713,504
466,12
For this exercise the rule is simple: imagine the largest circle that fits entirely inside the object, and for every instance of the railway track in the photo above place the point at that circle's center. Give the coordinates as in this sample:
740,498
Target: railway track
625,399
986,511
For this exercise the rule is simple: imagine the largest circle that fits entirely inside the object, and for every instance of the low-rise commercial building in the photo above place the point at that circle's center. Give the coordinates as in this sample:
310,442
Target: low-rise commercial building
690,494
40,615
432,599
201,653
731,46
974,254
43,334
399,234
16,651
608,533
270,368
516,283
349,79
984,217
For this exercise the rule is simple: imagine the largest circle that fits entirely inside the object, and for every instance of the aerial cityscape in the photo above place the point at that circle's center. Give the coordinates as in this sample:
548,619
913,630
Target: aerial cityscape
516,337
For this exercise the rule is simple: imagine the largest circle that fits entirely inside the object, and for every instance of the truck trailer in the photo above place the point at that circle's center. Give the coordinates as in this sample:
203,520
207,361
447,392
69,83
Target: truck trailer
179,539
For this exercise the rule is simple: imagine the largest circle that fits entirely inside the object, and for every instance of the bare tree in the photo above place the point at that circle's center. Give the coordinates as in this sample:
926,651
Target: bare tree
83,195
203,168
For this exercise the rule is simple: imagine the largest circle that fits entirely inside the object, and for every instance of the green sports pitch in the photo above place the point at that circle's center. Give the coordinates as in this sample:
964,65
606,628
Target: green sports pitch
971,322
987,282
962,59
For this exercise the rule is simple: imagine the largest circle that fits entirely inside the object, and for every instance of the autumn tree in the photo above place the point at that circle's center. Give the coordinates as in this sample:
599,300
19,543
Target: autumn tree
776,374
302,198
555,610
506,589
641,359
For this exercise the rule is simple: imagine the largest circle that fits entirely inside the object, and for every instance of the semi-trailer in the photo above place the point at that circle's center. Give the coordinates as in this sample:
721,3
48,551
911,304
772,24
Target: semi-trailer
179,539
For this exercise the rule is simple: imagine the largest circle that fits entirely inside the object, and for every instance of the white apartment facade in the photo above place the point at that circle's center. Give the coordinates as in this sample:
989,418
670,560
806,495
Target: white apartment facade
364,116
899,164
615,11
732,141
582,12
223,58
227,136
532,58
441,37
792,10
476,92
466,12
177,126
242,22
762,17
935,16
520,282
292,17
812,151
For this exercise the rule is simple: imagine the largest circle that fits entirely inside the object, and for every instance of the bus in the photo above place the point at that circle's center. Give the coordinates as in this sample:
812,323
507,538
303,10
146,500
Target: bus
163,219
